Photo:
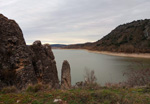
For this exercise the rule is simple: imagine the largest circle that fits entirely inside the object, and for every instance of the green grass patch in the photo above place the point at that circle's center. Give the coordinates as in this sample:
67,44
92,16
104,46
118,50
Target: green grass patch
79,96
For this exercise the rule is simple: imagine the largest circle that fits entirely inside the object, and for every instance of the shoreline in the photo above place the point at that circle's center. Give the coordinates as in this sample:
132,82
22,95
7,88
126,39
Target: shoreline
134,55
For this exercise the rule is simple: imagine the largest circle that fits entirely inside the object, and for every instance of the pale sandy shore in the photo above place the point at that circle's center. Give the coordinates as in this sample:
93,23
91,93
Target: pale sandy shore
135,55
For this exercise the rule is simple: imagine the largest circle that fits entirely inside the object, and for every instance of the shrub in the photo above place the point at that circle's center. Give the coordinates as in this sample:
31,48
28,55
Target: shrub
11,89
92,86
90,77
34,88
105,97
138,77
89,81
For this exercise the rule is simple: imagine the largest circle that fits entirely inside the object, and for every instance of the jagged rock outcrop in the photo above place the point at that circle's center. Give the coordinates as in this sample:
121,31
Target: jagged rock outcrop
15,62
20,64
65,76
44,64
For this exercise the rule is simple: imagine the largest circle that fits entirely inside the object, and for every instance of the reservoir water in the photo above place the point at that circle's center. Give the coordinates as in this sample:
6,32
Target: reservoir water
107,68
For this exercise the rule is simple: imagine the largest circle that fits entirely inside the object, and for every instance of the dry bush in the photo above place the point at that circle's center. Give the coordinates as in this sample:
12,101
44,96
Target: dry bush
34,88
89,81
138,77
90,77
11,89
114,85
38,87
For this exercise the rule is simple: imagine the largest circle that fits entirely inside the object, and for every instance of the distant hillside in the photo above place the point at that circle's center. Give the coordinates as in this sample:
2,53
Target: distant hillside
132,37
58,45
79,46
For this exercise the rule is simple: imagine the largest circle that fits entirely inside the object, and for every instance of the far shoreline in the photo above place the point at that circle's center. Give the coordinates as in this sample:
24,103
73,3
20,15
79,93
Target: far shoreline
134,55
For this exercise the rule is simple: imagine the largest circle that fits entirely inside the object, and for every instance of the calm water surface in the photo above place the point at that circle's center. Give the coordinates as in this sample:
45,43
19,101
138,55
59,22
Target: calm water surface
107,68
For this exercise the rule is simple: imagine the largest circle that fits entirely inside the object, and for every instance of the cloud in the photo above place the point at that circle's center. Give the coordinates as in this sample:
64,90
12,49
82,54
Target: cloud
72,21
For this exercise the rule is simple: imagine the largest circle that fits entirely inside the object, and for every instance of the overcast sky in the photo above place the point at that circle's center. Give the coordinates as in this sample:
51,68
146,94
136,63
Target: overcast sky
72,21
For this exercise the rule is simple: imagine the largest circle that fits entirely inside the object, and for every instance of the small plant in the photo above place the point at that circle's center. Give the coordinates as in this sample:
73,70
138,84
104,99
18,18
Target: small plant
34,88
11,89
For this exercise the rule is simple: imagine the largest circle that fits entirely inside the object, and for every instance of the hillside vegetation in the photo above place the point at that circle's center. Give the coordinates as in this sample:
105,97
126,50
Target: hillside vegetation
132,37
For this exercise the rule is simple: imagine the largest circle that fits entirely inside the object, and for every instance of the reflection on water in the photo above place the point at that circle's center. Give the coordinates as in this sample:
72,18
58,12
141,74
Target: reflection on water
107,68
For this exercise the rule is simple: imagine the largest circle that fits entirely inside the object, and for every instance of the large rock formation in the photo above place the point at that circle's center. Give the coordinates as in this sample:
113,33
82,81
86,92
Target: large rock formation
65,76
20,64
44,64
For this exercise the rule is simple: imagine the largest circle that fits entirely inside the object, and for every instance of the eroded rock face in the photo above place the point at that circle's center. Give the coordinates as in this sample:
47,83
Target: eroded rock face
44,64
20,64
65,76
15,63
